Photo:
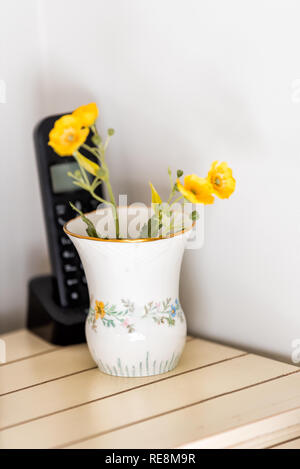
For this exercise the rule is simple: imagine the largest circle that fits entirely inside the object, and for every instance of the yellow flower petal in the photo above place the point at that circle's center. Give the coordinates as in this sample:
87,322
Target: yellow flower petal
87,164
197,190
221,179
155,196
86,114
67,135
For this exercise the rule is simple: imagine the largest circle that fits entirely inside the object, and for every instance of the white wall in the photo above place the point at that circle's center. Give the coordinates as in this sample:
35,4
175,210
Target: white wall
183,83
23,246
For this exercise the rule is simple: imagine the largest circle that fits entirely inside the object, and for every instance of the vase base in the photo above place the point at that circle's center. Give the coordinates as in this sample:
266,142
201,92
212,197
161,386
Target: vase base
140,370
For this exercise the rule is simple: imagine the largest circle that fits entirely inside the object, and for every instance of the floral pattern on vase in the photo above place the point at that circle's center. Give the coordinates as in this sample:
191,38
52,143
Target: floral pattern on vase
162,313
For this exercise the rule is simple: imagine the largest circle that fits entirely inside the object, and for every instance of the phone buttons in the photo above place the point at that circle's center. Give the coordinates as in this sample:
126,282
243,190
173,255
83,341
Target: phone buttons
78,204
72,281
61,221
68,254
74,296
64,241
60,209
70,268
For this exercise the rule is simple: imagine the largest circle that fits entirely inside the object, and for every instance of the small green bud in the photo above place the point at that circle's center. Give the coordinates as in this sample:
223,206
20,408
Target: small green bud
75,175
101,173
179,173
96,139
175,187
110,132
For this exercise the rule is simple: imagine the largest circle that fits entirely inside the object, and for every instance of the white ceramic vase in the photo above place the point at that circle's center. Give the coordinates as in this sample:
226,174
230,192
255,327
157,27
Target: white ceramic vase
135,326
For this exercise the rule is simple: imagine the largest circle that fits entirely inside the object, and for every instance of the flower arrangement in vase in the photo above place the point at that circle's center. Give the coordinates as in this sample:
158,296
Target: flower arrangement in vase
136,325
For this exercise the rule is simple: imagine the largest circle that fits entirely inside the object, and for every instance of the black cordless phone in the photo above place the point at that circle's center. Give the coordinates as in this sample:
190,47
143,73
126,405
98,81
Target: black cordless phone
57,188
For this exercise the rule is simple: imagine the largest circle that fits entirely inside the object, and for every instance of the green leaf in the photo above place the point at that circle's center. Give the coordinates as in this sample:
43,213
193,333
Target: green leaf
150,229
166,210
179,173
91,230
194,215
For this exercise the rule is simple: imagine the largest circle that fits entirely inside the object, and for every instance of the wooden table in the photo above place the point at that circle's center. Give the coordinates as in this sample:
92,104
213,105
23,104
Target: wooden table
218,397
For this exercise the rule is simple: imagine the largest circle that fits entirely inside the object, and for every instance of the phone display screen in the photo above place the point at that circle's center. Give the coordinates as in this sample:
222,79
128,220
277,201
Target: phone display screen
60,180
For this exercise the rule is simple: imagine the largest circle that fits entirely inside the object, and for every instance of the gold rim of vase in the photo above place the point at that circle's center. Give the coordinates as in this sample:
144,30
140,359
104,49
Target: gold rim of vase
122,240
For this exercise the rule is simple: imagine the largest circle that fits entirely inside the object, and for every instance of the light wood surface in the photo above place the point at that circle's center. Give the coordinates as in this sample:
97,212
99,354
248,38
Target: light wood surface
23,344
217,397
292,444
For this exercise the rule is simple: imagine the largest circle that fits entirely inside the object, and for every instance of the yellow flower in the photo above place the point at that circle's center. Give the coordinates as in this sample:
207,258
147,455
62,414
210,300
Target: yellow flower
86,114
99,310
67,135
87,164
220,176
197,190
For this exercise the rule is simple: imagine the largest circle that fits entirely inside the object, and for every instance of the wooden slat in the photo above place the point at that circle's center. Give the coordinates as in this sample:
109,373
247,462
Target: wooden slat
293,444
42,368
23,344
211,418
257,435
78,389
195,423
146,402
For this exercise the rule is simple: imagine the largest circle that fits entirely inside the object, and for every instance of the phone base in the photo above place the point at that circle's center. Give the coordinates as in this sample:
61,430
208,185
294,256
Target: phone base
60,326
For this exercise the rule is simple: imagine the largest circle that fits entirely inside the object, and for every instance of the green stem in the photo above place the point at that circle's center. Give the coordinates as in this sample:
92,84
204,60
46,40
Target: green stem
97,197
94,130
176,200
95,151
96,182
106,142
108,185
171,179
99,152
171,194
115,209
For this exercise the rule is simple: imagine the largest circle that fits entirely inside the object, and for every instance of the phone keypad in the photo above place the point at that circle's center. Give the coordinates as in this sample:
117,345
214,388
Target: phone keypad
70,282
78,204
68,254
75,280
74,296
65,241
60,209
70,268
61,221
